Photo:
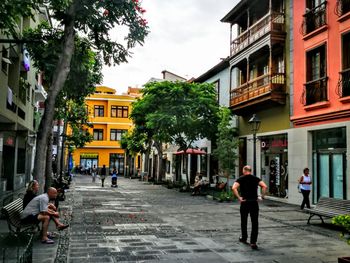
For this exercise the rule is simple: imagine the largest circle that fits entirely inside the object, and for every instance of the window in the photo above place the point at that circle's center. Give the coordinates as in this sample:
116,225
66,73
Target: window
316,76
99,111
343,7
117,161
116,135
315,15
98,134
119,111
217,89
316,63
344,83
5,60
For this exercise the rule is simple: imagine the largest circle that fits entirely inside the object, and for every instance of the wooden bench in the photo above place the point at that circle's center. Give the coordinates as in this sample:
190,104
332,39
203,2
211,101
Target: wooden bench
12,213
329,207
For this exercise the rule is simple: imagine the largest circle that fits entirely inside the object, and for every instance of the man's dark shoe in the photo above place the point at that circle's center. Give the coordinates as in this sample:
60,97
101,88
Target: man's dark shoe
62,227
254,246
243,241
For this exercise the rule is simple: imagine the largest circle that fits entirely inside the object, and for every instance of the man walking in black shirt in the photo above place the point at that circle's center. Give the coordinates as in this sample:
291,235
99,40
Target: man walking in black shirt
248,198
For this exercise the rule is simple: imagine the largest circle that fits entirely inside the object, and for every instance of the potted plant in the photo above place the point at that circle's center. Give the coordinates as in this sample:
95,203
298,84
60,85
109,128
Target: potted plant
344,222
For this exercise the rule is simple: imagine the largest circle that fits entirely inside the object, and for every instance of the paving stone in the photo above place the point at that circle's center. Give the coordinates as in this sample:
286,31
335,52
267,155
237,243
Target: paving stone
136,223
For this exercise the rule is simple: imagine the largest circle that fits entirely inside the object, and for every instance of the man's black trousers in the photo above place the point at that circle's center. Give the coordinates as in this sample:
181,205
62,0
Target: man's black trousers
252,208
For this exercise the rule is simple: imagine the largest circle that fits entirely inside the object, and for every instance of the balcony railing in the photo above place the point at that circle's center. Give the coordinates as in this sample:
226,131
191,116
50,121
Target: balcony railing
314,18
343,7
257,87
314,91
343,87
270,22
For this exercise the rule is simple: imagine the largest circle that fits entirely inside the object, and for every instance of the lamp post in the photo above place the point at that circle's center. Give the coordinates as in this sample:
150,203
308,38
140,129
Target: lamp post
254,123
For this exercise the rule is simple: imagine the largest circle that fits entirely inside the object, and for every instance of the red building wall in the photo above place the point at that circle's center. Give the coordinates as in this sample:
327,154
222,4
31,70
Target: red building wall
335,109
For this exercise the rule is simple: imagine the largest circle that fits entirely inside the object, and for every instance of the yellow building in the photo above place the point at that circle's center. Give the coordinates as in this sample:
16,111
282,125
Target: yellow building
109,115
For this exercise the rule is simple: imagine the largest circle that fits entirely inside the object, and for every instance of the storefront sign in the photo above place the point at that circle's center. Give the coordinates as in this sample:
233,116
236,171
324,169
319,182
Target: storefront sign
89,155
274,143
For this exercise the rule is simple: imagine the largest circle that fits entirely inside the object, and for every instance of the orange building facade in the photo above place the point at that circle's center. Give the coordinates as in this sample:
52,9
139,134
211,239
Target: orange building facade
320,95
109,116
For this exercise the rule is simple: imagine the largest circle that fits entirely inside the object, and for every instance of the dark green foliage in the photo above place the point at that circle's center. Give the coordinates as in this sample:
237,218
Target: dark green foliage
177,112
227,142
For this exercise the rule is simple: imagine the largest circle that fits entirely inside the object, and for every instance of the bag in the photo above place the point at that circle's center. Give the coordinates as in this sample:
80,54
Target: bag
299,188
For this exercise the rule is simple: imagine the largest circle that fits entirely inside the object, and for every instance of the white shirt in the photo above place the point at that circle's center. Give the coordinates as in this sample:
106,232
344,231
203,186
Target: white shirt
306,179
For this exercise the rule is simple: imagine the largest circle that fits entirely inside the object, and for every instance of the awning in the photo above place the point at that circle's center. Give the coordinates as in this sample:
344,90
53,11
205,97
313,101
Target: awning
191,151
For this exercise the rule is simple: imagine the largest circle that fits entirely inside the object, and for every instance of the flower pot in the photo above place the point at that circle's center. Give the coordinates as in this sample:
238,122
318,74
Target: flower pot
344,260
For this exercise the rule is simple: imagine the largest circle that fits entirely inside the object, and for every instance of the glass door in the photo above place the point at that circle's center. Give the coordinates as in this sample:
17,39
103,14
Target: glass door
324,174
329,175
337,175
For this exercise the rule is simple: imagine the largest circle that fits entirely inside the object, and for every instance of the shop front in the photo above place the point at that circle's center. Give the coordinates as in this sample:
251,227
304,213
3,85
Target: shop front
274,164
87,161
329,163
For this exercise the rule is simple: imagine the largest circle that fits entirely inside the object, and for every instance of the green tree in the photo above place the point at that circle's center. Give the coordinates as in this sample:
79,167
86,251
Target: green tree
177,112
11,12
92,19
226,143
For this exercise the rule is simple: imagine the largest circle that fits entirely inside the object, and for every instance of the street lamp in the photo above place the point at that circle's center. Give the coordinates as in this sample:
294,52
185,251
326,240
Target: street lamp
254,123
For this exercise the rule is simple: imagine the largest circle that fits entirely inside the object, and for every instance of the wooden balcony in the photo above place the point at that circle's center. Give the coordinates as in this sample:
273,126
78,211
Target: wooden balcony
255,93
273,23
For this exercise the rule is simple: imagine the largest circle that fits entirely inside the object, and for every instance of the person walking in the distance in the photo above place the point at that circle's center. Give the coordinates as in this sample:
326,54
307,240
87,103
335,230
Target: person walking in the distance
93,173
305,187
248,198
103,174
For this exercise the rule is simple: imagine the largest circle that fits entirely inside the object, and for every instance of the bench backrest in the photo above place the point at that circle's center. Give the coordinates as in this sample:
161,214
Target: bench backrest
333,204
13,211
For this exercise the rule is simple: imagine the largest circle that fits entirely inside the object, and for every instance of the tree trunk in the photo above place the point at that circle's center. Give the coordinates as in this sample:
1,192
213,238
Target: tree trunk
59,149
48,166
158,146
64,133
187,170
59,78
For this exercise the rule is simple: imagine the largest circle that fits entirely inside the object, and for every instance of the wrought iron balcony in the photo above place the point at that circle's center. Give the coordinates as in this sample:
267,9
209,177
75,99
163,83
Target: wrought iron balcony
343,87
272,22
314,91
314,18
269,87
343,7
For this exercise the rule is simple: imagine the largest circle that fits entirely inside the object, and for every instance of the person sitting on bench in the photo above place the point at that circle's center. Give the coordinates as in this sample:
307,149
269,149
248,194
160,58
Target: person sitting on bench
197,185
32,191
40,210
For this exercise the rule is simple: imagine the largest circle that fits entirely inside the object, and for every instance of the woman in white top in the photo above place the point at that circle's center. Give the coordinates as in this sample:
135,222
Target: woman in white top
305,186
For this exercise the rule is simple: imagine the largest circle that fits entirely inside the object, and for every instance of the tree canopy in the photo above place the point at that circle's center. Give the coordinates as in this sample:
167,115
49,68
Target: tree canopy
53,46
177,112
226,143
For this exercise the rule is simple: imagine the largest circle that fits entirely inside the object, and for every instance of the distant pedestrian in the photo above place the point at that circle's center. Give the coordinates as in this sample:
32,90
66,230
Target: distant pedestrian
305,187
94,173
248,185
103,174
114,179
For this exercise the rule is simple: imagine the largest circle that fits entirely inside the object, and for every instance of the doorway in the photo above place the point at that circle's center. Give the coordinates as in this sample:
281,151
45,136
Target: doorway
330,171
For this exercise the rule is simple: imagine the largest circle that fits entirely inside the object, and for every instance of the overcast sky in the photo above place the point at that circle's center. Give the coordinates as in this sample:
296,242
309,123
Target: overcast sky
186,37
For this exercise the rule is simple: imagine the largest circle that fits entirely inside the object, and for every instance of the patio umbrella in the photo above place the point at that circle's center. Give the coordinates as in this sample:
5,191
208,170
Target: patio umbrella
191,151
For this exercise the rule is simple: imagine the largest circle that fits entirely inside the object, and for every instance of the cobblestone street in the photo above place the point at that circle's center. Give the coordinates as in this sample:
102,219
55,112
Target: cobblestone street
139,222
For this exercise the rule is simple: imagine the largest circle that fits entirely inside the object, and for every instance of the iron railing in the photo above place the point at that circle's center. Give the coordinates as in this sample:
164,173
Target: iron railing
274,21
314,18
314,91
257,87
343,87
342,7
